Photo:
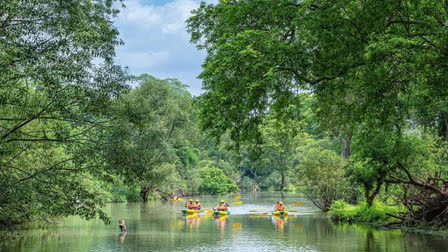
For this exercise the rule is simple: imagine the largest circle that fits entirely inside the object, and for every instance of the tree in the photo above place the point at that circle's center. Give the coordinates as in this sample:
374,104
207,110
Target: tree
57,79
321,175
214,181
370,65
153,118
279,142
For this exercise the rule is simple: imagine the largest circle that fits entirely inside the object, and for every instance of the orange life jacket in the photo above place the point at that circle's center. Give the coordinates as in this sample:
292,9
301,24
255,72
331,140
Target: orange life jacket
191,206
281,208
221,207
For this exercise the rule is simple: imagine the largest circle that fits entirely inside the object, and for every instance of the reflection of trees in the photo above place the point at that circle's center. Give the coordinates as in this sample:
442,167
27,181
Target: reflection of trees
370,242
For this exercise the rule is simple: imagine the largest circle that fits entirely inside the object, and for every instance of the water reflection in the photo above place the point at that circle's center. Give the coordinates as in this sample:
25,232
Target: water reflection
122,236
237,227
279,222
192,220
221,223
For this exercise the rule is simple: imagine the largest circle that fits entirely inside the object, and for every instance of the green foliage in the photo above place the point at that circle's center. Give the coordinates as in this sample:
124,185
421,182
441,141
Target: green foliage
374,77
188,156
342,211
57,80
377,153
154,117
214,181
120,192
321,175
279,140
249,185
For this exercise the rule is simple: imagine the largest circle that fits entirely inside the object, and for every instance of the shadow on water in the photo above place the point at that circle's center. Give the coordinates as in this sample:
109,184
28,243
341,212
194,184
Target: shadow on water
160,226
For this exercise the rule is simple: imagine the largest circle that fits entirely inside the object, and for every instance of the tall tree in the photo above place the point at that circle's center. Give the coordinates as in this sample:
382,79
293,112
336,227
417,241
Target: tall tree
57,78
154,118
371,65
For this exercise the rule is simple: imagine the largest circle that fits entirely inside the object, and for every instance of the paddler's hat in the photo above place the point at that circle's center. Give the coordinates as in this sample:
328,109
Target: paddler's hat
197,200
191,200
281,203
222,201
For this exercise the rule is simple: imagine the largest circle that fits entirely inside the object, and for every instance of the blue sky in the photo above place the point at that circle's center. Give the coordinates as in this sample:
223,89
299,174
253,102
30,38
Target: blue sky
156,41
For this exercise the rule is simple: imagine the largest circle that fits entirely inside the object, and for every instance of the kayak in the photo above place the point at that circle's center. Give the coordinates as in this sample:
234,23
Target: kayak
221,213
280,213
191,211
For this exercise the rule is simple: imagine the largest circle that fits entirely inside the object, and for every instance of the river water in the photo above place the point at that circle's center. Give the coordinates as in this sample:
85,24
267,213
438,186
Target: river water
160,226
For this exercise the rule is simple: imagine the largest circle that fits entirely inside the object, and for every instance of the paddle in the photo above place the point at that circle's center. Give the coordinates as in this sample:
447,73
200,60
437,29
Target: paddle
237,203
253,211
291,211
236,198
174,200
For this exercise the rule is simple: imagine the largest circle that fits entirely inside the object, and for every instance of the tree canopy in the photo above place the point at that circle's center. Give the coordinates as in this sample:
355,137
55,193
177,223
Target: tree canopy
376,70
56,78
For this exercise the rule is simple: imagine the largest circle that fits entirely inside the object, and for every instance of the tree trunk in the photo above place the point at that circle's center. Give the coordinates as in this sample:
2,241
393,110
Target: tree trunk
283,182
345,153
443,128
370,198
144,193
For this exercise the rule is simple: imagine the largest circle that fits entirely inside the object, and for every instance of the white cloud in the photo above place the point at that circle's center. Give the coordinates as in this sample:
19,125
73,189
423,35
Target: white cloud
156,41
135,13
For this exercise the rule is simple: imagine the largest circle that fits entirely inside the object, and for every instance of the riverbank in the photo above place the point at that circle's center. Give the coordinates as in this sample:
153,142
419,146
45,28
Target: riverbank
378,216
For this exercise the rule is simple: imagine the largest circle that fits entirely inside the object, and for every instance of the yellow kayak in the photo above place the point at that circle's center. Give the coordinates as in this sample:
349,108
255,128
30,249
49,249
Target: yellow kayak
221,213
280,213
191,211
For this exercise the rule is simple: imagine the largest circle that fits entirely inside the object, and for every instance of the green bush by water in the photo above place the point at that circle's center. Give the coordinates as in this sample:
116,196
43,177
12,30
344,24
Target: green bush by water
342,211
214,181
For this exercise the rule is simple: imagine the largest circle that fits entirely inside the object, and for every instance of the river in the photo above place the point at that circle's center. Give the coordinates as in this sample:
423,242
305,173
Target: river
160,226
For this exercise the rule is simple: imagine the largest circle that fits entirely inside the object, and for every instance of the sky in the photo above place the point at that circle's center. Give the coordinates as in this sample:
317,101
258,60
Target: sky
156,41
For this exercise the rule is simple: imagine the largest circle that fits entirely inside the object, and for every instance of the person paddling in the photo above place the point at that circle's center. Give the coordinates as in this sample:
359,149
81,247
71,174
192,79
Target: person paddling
280,207
275,206
198,205
221,206
191,205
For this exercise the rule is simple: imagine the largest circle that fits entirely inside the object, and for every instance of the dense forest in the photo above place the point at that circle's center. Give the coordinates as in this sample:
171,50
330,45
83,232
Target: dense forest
343,101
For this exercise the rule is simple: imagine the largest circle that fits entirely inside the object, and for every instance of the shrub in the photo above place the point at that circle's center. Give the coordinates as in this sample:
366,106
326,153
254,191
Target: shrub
321,175
342,211
214,181
249,185
123,193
